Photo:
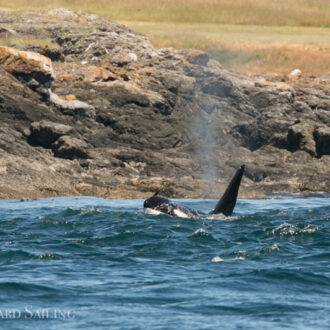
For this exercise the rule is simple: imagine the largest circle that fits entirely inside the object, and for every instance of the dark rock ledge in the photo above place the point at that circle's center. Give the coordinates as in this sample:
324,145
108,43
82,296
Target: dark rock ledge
101,112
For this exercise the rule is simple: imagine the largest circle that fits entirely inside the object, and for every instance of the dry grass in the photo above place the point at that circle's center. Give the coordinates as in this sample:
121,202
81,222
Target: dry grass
26,40
246,12
311,60
206,35
249,49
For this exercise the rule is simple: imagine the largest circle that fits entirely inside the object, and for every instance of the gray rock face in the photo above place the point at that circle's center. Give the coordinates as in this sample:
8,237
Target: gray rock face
70,148
73,107
45,133
300,137
124,120
322,139
26,65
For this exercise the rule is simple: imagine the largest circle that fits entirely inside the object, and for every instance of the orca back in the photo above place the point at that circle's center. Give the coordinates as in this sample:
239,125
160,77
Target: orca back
155,201
166,206
225,205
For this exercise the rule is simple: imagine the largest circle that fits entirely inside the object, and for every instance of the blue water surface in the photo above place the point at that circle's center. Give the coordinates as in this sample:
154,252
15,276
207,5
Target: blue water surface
93,263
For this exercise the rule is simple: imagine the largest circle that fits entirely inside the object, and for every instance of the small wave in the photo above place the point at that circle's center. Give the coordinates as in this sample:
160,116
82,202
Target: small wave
294,229
91,211
48,256
270,264
21,287
298,195
71,212
15,256
297,275
254,253
239,258
271,248
20,255
219,217
199,232
236,258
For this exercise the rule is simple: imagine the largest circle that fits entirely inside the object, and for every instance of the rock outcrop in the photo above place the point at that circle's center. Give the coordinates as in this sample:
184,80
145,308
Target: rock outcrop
101,112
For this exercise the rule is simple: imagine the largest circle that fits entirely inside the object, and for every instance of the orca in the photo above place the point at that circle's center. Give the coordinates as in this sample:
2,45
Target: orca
158,205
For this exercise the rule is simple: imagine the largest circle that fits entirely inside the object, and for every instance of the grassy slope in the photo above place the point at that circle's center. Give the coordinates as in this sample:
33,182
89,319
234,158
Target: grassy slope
248,48
255,12
247,35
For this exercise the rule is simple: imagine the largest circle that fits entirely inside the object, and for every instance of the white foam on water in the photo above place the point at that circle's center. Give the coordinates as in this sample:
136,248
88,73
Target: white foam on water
199,231
217,259
239,258
220,217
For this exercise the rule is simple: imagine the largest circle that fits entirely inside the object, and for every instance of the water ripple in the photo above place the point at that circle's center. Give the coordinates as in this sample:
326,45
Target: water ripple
111,264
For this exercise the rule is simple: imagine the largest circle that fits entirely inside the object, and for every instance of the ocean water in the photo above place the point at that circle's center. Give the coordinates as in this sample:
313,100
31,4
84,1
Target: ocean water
93,263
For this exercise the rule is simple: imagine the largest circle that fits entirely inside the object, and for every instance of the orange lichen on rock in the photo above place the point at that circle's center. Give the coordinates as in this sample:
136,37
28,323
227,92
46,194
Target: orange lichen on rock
68,97
197,57
21,62
88,73
71,77
102,73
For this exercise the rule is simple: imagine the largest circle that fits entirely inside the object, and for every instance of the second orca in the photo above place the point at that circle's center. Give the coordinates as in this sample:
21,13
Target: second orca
157,204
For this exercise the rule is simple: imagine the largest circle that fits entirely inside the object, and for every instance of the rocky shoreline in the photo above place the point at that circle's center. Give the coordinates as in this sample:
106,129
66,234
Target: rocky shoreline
101,112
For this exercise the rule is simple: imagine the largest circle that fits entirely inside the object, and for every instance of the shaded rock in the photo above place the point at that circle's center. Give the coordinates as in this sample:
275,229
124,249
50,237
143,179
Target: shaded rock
106,119
218,86
324,105
263,98
54,53
301,106
19,105
44,133
177,83
323,116
122,93
197,57
262,131
27,65
70,148
279,140
300,137
322,139
312,96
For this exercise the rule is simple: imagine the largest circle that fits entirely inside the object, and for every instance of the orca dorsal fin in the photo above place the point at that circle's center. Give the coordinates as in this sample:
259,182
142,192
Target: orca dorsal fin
228,200
156,193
